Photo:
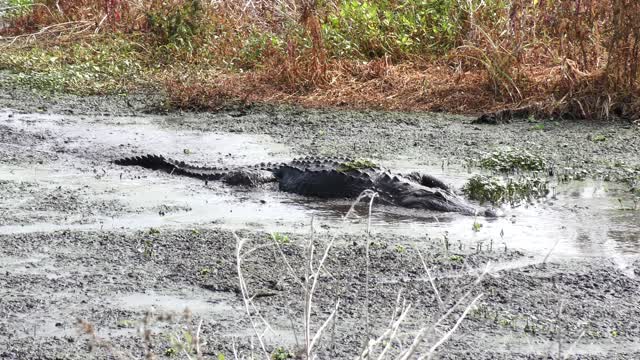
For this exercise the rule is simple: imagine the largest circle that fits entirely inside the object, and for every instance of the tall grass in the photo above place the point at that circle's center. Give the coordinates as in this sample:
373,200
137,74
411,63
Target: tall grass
573,57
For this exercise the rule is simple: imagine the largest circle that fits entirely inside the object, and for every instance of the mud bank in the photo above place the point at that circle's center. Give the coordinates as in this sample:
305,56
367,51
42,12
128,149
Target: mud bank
84,239
110,279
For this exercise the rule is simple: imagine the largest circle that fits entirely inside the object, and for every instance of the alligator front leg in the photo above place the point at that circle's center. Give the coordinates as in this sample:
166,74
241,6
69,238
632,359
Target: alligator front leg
427,180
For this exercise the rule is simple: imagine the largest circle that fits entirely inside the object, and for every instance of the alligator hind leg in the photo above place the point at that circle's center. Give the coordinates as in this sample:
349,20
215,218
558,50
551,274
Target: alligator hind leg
249,177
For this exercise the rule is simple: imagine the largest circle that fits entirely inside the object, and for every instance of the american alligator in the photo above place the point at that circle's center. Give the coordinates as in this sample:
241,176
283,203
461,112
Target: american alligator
327,178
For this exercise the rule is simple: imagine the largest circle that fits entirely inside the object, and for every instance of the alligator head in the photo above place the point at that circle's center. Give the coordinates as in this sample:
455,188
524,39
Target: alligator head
409,193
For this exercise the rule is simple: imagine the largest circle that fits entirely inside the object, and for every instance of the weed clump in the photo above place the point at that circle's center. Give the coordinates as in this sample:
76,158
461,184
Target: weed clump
512,160
498,191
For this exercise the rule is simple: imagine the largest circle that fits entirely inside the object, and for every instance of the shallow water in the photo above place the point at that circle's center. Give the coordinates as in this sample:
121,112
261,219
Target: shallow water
585,219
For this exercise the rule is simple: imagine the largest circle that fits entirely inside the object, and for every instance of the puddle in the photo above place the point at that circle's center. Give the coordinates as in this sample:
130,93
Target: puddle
80,135
586,220
199,303
36,264
511,344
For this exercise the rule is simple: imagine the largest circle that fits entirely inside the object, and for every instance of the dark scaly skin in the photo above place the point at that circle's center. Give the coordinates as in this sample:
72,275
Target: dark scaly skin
326,178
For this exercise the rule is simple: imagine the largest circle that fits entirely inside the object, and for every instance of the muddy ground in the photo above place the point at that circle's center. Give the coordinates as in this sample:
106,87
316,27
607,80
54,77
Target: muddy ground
81,238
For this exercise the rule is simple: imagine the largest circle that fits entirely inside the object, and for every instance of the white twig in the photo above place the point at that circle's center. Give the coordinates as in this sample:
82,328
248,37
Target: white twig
197,339
324,325
394,328
453,329
550,251
245,296
233,348
390,332
407,353
573,346
284,258
432,281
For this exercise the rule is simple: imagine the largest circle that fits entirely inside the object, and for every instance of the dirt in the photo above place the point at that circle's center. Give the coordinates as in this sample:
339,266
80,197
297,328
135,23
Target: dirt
84,239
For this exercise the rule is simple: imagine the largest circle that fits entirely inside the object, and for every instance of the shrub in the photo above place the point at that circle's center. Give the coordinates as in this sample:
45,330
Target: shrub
176,24
369,29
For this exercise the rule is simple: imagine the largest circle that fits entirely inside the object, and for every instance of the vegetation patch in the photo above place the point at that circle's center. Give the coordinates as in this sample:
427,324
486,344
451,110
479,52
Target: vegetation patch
512,160
567,59
497,190
107,65
358,164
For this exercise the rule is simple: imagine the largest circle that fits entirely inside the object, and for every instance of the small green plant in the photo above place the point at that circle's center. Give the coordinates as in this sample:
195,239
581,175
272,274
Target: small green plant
181,343
280,238
476,226
445,242
204,272
530,328
374,245
456,259
537,127
359,164
147,248
126,323
281,353
598,138
511,160
154,231
400,249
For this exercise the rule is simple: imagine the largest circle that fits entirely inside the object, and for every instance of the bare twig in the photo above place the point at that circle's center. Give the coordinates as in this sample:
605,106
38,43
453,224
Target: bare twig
409,352
453,329
324,325
544,261
248,304
433,284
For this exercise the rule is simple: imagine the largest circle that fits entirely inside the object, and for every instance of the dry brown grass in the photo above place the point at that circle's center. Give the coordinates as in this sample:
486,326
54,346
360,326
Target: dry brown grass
349,84
572,58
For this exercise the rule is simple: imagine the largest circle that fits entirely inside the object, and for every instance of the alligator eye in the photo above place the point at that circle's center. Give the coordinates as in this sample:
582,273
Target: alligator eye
439,194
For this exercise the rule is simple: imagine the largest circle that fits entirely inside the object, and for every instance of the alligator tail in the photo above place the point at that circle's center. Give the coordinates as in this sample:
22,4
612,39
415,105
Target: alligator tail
154,162
158,162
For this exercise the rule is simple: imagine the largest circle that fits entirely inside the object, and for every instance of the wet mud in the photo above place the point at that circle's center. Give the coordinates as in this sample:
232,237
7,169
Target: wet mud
82,238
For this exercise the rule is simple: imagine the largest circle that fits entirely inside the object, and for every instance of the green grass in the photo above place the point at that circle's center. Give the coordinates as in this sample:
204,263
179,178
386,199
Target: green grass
106,66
